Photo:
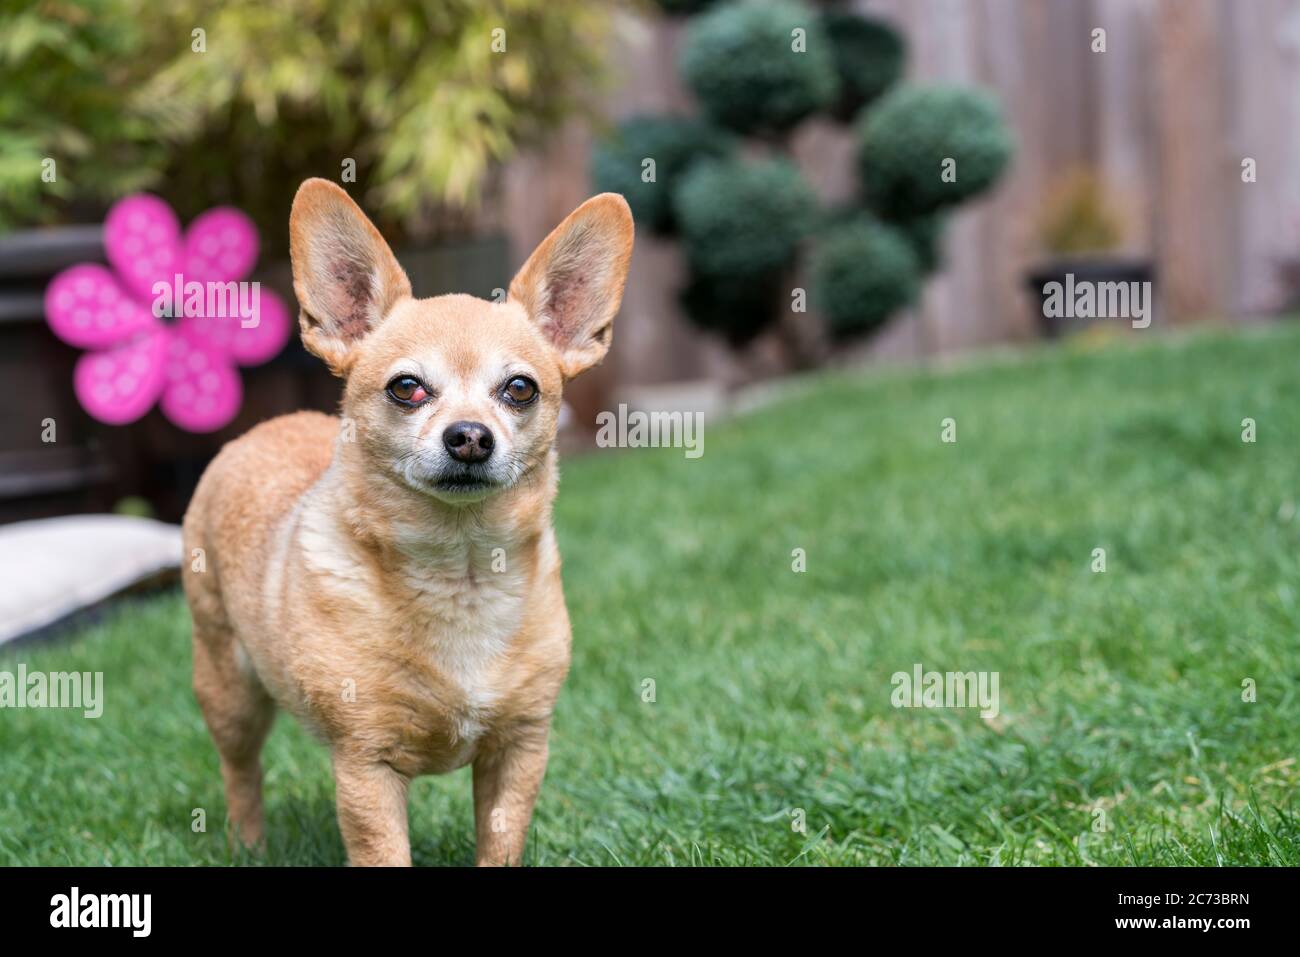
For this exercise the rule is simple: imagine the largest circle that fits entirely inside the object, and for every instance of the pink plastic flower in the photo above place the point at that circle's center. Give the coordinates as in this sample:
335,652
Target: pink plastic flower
150,346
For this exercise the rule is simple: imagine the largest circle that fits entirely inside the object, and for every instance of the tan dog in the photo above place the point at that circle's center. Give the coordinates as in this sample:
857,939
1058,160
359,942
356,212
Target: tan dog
395,583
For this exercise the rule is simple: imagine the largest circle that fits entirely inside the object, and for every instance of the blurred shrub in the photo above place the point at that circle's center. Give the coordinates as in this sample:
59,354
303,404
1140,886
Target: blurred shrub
738,60
742,223
743,218
64,67
413,91
869,58
675,143
925,235
423,96
737,308
862,272
910,132
1077,218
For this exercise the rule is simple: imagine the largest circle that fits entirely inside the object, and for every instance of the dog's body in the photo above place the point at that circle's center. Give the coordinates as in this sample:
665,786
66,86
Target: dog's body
402,597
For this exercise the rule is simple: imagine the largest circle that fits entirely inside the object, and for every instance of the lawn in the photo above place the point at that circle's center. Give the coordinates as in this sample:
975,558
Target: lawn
1122,737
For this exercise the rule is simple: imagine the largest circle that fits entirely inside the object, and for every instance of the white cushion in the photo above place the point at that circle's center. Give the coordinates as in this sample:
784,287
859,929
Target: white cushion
54,566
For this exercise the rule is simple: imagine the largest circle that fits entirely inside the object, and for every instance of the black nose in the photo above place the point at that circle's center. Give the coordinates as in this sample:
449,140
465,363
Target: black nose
468,441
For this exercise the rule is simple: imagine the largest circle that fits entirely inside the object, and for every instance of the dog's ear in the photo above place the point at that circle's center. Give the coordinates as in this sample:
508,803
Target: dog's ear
345,276
572,284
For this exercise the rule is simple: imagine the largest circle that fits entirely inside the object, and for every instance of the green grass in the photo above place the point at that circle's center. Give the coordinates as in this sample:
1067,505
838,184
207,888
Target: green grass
1120,691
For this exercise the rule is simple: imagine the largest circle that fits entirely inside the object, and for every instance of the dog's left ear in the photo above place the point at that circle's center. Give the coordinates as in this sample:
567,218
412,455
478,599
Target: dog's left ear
572,284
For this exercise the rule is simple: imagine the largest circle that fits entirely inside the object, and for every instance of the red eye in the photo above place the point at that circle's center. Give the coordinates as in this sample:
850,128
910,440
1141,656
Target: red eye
408,390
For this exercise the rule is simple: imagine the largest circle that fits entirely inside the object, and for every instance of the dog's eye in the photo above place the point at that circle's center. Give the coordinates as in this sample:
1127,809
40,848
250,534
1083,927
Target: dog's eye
520,390
408,390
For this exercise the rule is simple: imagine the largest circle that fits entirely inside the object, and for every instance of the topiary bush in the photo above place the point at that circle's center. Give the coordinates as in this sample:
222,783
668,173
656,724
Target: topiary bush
743,219
910,132
674,143
869,57
736,307
863,271
741,224
738,60
925,235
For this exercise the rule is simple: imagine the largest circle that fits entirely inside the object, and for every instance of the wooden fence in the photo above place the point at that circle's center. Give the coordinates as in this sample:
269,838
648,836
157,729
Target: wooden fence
1184,92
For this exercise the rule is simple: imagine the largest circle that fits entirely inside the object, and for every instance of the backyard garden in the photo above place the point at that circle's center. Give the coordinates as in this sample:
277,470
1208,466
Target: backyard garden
730,696
954,569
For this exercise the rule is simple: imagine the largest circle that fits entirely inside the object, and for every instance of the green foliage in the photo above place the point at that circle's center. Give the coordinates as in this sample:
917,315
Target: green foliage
907,136
136,505
743,218
739,61
413,91
925,235
863,271
675,143
64,66
741,223
1078,218
869,57
419,94
737,308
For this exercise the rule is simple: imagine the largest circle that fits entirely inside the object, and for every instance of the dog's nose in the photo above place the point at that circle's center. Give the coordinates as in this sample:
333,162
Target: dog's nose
468,441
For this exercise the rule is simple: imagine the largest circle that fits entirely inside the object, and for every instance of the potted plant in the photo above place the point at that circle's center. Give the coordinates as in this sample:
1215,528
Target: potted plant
1081,232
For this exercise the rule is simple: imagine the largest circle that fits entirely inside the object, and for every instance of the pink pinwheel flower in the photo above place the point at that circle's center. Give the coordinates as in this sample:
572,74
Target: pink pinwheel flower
171,321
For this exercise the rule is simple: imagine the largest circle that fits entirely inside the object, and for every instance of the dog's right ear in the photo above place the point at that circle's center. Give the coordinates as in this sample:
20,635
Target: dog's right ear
345,276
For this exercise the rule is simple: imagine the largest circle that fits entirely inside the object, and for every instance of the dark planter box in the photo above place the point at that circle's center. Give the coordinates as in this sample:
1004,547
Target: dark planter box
93,466
74,473
1090,269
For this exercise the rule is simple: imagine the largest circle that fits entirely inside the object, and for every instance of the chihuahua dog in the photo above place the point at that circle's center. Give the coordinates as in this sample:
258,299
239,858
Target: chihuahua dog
392,578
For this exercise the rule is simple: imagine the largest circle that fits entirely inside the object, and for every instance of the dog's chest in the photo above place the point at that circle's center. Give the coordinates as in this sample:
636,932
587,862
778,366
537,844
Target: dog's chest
430,631
460,629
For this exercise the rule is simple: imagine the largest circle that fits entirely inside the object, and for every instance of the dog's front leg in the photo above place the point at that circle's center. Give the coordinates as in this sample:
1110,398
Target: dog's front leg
371,799
507,778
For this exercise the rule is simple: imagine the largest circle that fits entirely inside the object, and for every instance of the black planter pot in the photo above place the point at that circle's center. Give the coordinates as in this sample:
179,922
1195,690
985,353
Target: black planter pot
1083,269
74,473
